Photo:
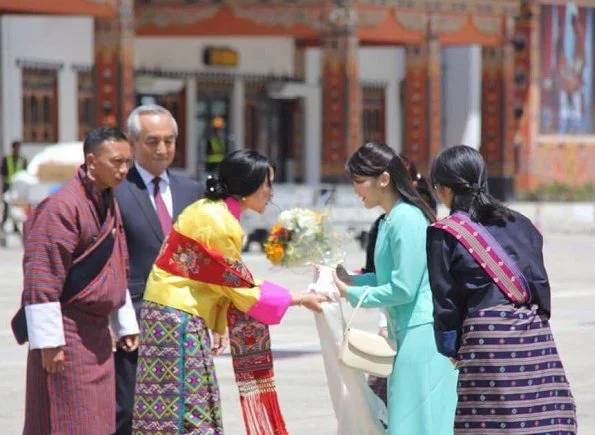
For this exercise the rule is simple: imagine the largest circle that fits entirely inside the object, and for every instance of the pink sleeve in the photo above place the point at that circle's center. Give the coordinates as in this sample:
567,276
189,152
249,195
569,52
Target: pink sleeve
272,305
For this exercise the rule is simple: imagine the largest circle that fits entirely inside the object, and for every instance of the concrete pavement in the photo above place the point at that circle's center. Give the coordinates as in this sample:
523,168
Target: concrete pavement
299,370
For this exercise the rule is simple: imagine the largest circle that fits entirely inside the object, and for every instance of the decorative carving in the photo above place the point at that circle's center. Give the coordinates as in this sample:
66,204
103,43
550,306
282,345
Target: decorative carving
422,103
434,24
148,16
343,16
286,17
370,18
112,3
412,20
313,17
341,124
487,25
475,7
449,24
114,77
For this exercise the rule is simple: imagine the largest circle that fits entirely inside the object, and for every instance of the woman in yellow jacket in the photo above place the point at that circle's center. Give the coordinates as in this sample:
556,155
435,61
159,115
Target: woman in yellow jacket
197,283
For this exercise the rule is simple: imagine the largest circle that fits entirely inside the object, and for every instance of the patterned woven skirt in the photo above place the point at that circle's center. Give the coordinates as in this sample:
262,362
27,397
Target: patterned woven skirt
176,387
511,378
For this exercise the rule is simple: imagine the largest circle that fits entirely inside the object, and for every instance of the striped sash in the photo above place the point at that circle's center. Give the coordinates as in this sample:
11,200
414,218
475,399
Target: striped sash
489,254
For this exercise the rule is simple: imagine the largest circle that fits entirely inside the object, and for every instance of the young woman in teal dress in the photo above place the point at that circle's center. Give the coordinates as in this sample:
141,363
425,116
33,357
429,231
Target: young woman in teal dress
422,388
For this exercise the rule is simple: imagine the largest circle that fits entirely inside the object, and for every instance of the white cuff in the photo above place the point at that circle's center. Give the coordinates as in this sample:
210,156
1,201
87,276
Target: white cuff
382,322
44,325
123,321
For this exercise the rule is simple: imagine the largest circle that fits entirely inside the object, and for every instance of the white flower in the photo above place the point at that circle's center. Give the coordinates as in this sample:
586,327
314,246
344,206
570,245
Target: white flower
286,220
307,221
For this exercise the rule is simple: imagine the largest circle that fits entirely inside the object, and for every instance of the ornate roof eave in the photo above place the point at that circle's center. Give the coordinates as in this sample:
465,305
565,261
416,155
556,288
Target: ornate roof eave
213,75
93,8
393,22
265,19
578,3
480,7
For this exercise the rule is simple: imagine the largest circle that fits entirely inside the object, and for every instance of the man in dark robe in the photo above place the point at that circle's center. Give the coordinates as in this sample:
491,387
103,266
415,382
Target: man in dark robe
70,367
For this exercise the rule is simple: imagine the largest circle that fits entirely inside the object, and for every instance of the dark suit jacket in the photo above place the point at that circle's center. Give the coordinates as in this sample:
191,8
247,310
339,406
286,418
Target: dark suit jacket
144,235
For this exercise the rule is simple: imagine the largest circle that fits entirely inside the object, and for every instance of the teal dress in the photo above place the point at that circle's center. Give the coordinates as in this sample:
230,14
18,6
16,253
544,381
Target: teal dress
422,390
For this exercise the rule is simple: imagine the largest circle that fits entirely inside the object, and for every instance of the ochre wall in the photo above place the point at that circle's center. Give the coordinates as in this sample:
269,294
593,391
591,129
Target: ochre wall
565,160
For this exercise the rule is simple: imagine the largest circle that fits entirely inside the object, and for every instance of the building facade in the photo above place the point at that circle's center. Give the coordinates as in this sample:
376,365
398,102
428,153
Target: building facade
307,82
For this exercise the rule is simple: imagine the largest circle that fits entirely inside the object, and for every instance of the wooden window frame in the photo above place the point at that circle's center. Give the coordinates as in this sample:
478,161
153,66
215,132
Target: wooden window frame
374,114
86,103
40,105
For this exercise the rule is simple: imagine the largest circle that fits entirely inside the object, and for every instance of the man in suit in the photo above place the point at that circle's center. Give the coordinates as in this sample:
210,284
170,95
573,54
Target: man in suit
150,200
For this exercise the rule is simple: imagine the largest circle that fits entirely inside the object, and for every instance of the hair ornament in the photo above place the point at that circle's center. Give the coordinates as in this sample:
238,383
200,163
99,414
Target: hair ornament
215,183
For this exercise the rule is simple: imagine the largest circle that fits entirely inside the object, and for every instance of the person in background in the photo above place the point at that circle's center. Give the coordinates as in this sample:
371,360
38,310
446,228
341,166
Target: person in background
492,305
151,198
70,368
216,147
11,164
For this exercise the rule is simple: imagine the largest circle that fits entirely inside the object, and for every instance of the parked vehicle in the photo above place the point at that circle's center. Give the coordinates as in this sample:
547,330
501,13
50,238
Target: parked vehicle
46,172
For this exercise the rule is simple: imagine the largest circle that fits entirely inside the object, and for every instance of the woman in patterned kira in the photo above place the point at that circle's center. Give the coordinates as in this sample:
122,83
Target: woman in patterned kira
491,307
199,282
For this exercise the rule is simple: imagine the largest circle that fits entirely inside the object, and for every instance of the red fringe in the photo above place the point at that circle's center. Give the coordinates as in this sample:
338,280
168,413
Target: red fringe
262,414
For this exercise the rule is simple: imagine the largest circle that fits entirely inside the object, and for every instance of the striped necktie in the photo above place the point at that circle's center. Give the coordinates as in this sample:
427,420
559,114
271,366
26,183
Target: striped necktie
162,213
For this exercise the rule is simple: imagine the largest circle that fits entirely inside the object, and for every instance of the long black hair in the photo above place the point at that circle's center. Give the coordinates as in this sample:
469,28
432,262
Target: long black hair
374,158
240,173
421,183
462,168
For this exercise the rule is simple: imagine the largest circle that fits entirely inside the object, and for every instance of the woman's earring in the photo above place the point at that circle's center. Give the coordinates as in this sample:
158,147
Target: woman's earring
243,199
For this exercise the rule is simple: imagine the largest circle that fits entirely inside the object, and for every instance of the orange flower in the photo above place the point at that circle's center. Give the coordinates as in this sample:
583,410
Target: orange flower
277,229
274,252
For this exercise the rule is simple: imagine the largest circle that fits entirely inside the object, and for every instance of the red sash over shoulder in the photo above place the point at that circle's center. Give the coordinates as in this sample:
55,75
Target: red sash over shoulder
250,341
489,254
182,256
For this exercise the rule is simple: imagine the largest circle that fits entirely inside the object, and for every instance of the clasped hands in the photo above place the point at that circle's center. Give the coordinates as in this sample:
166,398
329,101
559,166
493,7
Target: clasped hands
342,280
52,359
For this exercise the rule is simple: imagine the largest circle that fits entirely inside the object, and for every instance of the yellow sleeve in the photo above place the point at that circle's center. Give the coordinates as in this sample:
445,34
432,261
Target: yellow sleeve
211,224
215,228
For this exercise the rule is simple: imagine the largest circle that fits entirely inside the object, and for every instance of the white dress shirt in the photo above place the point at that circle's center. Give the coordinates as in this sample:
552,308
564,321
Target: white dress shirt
164,187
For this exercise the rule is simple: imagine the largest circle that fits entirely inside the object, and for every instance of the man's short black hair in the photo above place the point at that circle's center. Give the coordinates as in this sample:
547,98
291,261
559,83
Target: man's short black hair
98,136
16,143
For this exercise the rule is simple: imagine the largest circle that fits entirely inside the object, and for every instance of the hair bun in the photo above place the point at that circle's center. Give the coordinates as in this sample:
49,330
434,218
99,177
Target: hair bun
216,187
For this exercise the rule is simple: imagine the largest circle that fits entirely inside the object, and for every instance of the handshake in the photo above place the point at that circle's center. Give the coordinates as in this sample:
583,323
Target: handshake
328,285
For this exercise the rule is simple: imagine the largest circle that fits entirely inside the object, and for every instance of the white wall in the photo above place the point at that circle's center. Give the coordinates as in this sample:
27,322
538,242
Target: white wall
257,55
461,105
48,39
376,64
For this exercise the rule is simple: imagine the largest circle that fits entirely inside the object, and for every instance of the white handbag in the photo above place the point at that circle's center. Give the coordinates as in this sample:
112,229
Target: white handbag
365,350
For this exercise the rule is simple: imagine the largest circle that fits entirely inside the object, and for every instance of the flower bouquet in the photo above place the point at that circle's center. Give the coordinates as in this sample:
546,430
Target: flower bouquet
302,237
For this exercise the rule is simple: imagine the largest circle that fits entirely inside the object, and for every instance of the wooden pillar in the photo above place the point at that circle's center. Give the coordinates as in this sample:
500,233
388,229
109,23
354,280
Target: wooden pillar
434,92
497,113
114,70
341,93
423,75
527,78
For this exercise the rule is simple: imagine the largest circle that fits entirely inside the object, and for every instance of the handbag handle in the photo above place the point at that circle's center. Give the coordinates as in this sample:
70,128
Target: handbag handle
357,307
